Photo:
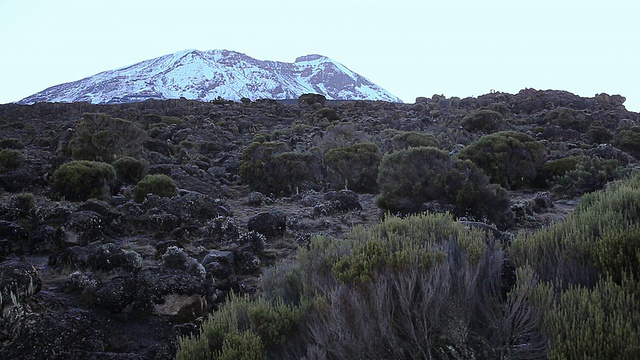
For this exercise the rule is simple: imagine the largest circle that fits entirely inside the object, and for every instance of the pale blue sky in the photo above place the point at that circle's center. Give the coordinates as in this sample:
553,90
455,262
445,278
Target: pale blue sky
410,47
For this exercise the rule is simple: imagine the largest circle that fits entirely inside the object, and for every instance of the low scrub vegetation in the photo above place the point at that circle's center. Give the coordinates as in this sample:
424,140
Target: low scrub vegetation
82,179
157,184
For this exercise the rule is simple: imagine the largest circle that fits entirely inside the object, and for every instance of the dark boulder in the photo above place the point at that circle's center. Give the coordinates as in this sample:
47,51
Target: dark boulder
82,227
116,294
19,281
175,258
219,264
66,334
269,224
97,257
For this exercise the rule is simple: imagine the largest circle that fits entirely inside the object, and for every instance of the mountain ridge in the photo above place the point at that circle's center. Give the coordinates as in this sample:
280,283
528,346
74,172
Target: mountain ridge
212,74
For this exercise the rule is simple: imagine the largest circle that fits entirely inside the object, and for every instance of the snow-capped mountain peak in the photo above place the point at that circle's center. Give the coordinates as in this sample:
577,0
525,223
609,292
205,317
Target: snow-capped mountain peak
208,75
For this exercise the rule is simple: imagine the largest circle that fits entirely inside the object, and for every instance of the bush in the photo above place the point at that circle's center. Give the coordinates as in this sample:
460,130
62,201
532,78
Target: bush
414,288
269,168
354,166
158,184
409,178
484,120
584,276
590,174
253,164
81,180
100,137
130,170
568,119
599,134
11,143
291,172
11,159
394,140
555,168
242,329
629,141
510,158
600,238
326,113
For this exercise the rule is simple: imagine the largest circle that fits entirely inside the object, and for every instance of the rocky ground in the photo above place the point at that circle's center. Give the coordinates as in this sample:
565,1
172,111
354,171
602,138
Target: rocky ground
117,279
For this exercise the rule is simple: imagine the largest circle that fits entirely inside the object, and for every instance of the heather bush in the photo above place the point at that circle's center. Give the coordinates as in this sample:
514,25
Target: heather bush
599,239
510,158
409,178
354,166
81,180
599,134
11,143
589,174
253,164
393,140
11,159
100,137
483,120
157,184
568,119
629,141
414,288
291,172
243,329
130,170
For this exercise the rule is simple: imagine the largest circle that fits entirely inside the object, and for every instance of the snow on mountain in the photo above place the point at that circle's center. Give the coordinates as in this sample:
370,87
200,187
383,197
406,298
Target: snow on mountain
208,75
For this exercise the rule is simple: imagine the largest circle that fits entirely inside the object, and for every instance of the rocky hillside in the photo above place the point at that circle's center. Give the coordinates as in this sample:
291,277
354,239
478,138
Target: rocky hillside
209,75
120,263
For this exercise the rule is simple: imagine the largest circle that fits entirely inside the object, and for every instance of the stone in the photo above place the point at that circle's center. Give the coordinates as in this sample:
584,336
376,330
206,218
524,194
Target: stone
19,281
82,228
269,224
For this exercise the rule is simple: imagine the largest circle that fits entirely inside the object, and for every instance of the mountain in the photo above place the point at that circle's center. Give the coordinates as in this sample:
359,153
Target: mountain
208,75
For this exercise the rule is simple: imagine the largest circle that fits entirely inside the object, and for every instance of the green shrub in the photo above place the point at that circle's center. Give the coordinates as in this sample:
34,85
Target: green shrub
327,113
243,328
157,184
629,141
510,158
393,140
100,137
409,178
81,180
11,143
253,161
269,167
484,120
354,166
599,239
11,159
599,134
602,322
568,119
130,170
555,168
589,174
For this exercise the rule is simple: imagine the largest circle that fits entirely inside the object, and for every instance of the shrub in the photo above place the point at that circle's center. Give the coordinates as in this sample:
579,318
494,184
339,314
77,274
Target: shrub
157,184
130,170
510,158
290,172
311,99
11,159
568,119
242,329
409,178
398,140
326,113
11,143
600,238
484,120
81,180
599,134
555,168
269,168
354,166
253,164
589,174
410,289
629,141
100,137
